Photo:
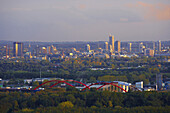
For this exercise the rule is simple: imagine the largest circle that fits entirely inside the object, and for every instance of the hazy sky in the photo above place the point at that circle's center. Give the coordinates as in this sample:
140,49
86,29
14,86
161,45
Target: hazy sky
84,20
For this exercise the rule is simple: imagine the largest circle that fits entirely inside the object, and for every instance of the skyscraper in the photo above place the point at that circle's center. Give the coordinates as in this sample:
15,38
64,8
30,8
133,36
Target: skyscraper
117,46
48,49
141,47
30,50
111,42
149,52
44,50
87,47
110,48
129,47
153,46
106,46
37,51
18,49
159,46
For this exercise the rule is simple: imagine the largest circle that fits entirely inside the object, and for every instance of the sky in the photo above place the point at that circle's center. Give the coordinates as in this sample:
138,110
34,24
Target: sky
84,20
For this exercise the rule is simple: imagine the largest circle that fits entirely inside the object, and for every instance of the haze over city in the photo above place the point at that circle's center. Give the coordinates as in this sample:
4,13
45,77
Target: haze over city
90,20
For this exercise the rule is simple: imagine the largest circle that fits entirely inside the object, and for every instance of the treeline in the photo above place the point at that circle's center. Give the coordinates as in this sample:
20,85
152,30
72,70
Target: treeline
74,65
144,109
140,68
61,101
148,75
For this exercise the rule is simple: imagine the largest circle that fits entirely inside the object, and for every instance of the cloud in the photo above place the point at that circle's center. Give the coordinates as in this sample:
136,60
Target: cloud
82,6
124,19
21,9
157,11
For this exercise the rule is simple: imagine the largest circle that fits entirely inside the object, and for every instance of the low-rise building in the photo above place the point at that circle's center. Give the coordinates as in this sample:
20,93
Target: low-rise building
139,85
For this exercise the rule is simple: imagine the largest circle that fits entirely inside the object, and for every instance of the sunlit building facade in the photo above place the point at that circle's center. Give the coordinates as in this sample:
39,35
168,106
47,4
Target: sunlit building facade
129,47
87,47
111,42
149,52
117,46
18,49
106,46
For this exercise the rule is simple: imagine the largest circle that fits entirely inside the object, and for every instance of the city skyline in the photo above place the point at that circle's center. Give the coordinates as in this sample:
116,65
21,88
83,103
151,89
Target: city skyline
62,21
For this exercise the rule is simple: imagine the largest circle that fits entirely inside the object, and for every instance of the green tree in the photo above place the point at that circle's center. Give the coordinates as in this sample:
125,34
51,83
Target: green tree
92,79
113,66
110,104
35,84
66,105
107,78
15,105
71,98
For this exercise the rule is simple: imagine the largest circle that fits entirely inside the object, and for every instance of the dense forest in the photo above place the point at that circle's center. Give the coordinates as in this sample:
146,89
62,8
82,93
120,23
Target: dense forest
58,100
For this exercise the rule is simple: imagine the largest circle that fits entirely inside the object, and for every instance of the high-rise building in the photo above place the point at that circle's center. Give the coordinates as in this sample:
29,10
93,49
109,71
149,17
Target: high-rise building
137,47
106,46
129,47
141,47
153,46
30,50
48,49
111,42
110,48
73,50
18,49
44,50
87,47
159,46
117,46
53,49
149,52
37,51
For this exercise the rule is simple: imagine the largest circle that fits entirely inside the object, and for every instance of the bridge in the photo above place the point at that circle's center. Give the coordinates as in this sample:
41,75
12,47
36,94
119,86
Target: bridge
66,82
